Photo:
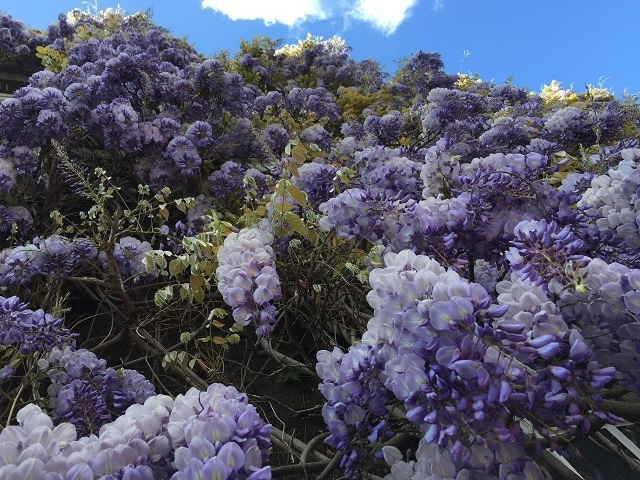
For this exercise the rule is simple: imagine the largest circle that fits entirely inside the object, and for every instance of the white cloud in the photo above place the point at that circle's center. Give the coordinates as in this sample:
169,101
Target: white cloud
437,5
385,15
287,12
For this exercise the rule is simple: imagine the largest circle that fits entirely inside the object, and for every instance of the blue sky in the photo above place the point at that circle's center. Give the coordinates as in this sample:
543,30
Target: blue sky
572,41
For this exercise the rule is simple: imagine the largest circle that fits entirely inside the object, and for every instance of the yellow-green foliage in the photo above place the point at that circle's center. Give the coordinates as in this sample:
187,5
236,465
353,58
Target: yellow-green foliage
259,47
334,45
51,59
554,95
353,102
464,81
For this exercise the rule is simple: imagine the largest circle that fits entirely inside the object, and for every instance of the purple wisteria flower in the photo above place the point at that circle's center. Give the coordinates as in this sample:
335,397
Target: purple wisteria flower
228,183
394,177
15,217
30,331
317,100
611,206
184,154
317,135
277,138
387,128
541,250
316,179
87,393
572,124
218,434
248,280
436,463
200,133
129,253
203,434
358,213
7,175
604,300
461,363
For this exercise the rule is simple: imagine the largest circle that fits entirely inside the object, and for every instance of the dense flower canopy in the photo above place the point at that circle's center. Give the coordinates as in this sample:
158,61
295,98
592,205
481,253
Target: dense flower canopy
454,263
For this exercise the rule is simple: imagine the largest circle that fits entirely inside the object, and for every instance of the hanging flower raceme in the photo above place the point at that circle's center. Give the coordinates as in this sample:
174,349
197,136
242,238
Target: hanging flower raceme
218,434
28,330
248,280
462,364
203,434
85,392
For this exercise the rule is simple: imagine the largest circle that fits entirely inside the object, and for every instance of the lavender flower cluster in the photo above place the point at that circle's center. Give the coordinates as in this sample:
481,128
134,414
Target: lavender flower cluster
541,251
129,253
500,299
354,213
387,128
53,256
29,331
318,100
437,463
15,219
393,176
218,434
88,394
611,204
248,280
15,39
317,135
604,300
210,434
486,118
93,93
462,364
228,183
316,179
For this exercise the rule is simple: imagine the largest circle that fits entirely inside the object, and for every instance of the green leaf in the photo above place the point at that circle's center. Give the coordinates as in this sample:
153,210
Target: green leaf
159,299
175,267
297,194
217,313
160,260
169,360
181,205
184,291
299,153
293,168
163,295
295,223
313,237
198,295
282,207
196,282
280,231
281,188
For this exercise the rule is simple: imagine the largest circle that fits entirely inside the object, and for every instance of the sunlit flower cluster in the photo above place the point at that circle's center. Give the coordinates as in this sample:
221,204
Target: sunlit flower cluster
212,434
